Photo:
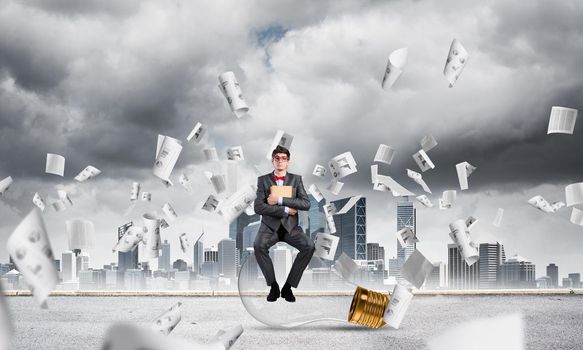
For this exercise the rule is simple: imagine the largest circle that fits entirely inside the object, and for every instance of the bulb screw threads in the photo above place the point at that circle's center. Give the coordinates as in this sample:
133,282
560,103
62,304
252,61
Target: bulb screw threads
368,308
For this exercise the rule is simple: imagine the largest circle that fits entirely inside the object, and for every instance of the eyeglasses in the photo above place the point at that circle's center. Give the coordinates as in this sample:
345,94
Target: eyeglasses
280,159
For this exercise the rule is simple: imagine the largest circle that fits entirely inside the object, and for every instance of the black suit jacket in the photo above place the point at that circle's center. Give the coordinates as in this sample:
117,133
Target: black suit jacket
274,215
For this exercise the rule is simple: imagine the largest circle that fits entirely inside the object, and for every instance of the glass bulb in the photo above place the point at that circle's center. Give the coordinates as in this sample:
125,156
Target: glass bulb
349,302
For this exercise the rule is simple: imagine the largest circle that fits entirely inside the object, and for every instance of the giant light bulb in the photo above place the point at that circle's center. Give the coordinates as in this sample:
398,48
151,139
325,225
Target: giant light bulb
351,303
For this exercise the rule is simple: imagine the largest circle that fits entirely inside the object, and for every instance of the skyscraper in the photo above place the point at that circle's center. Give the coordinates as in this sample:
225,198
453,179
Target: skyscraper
249,235
316,217
164,258
236,228
492,256
553,273
351,228
375,252
460,275
197,256
517,272
406,217
69,266
127,260
576,278
227,258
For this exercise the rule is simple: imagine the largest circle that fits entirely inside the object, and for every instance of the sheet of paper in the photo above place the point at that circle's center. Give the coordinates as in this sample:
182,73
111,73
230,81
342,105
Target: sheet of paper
423,161
374,172
393,186
5,184
231,89
464,170
418,179
30,249
562,120
319,170
329,211
455,63
399,302
509,331
342,165
235,204
326,245
315,192
132,236
6,325
351,202
55,164
146,196
184,242
498,218
460,234
395,66
197,133
281,138
88,173
135,191
428,143
210,154
577,216
169,212
447,199
345,266
151,237
385,154
210,204
64,197
58,205
406,236
168,320
235,153
168,151
38,201
185,182
470,222
225,338
574,194
335,186
541,204
416,269
81,234
423,199
281,191
217,181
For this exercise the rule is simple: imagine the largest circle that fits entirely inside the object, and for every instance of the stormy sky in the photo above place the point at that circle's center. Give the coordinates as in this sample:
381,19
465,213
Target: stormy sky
97,81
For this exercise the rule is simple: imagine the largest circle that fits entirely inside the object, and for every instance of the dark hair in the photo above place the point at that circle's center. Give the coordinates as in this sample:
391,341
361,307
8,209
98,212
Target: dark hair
280,149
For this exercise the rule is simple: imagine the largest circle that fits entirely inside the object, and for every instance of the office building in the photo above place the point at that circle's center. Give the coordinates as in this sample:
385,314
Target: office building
351,228
460,274
553,273
164,258
69,263
227,258
492,256
127,260
517,272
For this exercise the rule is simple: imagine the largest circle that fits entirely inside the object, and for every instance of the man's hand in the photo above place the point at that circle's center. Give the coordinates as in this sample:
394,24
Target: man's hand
292,211
272,200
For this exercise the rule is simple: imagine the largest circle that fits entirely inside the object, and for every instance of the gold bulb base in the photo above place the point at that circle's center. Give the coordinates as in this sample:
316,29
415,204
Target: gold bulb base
368,308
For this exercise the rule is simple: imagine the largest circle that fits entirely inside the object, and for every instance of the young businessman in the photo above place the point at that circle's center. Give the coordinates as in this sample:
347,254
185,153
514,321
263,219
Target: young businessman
279,222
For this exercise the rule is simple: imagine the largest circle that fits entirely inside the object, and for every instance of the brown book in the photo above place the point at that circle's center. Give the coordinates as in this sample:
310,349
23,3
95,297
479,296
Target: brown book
282,191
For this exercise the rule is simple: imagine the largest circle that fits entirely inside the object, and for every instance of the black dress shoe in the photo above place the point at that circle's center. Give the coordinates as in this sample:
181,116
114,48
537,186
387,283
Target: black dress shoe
287,294
273,293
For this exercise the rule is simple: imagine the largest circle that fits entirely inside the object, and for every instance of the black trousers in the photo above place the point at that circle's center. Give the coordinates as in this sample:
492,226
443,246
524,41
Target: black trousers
266,238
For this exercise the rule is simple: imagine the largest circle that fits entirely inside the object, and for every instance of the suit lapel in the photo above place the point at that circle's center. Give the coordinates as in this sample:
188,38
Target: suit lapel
288,179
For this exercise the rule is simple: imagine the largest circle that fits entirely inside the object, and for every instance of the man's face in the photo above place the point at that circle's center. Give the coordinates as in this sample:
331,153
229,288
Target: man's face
280,161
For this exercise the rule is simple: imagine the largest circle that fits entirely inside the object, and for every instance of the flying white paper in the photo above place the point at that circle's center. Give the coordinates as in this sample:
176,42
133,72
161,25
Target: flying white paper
345,266
235,204
574,194
64,197
541,204
167,152
329,211
385,154
30,249
168,320
398,305
447,199
146,196
151,236
416,269
455,63
351,202
423,161
498,218
5,184
464,170
386,183
210,154
81,234
423,199
418,179
135,191
226,338
231,89
335,186
342,165
89,172
428,142
316,193
197,133
169,212
406,236
281,138
562,120
395,66
460,234
217,181
210,204
185,182
326,245
319,170
55,164
184,243
130,239
235,153
38,201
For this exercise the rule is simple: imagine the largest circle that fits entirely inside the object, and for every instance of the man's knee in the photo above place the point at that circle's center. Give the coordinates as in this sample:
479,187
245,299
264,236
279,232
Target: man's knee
310,246
261,247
